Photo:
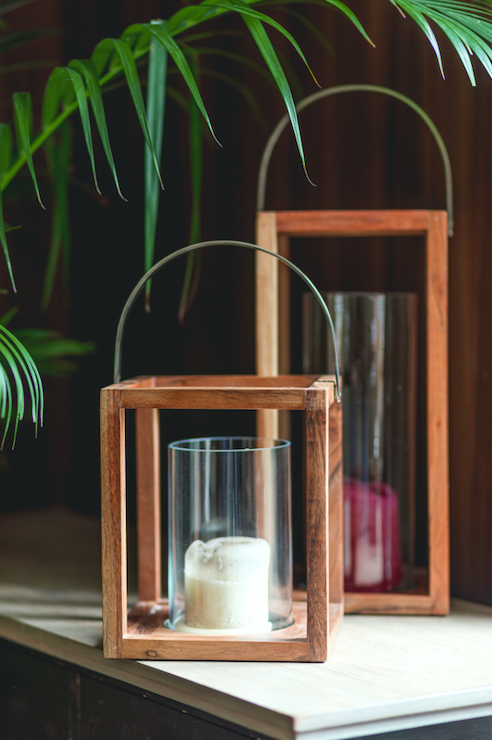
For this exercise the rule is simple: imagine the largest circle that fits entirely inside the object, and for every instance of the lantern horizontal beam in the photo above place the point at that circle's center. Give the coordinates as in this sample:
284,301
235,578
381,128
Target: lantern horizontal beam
214,398
366,223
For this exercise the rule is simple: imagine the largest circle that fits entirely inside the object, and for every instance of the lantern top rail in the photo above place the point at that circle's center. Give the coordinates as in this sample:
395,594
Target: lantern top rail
220,381
248,392
366,223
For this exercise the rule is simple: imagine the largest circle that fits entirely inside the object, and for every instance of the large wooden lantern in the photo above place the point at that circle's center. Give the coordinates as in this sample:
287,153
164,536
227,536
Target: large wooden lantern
394,363
248,574
429,593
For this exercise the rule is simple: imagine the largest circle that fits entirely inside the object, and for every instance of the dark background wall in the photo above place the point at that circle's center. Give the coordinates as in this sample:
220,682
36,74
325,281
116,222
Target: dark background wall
363,151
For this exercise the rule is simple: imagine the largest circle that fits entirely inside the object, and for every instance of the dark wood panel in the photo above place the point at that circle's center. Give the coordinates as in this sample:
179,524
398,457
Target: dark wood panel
363,151
34,696
46,699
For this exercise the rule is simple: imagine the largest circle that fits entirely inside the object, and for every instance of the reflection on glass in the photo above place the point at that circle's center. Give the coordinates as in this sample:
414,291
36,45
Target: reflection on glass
377,341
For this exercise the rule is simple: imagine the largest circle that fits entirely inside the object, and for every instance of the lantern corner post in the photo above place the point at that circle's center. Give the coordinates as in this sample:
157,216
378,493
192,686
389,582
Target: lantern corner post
113,522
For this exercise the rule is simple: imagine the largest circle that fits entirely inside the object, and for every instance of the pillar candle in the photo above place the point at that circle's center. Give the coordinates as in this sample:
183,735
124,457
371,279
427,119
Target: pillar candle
372,553
226,586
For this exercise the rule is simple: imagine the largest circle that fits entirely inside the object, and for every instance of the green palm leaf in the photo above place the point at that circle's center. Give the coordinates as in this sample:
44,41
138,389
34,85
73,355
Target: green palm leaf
23,125
18,364
5,157
88,70
162,35
468,26
246,11
156,98
265,46
62,83
124,54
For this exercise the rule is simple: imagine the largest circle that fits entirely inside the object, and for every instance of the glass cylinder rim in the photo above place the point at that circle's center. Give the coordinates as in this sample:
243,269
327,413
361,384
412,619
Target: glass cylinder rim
179,444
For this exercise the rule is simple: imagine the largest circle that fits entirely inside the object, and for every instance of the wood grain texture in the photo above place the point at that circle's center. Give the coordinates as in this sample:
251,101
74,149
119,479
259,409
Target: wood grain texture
266,293
267,318
232,381
360,603
113,523
437,411
363,150
317,515
149,554
347,223
336,503
213,398
284,343
148,638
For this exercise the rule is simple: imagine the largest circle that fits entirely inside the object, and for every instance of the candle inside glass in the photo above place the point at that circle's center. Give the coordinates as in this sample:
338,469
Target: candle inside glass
226,586
230,545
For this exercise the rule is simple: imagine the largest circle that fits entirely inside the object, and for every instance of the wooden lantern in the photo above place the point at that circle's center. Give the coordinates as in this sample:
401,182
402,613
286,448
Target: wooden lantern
141,633
274,231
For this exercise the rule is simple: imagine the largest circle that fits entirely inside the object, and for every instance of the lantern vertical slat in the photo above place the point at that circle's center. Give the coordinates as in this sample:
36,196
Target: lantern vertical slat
267,344
317,517
437,395
335,521
113,522
148,504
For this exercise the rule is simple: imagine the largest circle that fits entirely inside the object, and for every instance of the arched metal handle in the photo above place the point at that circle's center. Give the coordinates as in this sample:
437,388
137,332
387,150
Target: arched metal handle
267,152
201,245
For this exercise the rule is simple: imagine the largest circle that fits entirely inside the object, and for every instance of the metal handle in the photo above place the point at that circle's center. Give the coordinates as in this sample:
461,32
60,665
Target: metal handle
201,245
267,152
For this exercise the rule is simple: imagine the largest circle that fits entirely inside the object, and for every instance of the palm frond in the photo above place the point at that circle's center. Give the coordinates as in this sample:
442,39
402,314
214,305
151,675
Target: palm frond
5,157
63,83
69,87
23,126
468,26
17,369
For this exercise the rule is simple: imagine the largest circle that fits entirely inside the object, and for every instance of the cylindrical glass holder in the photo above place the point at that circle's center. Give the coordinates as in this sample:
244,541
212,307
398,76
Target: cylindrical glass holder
230,551
377,343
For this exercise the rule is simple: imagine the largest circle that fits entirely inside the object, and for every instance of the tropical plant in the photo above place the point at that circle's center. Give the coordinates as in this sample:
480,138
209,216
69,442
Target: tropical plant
467,25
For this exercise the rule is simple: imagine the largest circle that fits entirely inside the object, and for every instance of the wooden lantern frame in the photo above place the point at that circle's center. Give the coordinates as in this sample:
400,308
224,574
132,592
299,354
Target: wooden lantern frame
274,230
141,633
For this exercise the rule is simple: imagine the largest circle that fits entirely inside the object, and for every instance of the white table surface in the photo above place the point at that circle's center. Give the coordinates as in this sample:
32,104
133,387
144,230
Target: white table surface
384,673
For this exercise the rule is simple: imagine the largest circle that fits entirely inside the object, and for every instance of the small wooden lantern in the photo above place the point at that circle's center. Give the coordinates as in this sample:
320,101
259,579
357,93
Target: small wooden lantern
141,633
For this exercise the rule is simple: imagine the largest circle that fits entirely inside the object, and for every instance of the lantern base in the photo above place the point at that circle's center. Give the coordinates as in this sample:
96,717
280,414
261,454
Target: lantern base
147,638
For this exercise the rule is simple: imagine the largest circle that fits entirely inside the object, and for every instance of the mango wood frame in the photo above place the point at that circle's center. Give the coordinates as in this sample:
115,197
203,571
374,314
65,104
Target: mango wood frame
141,634
274,230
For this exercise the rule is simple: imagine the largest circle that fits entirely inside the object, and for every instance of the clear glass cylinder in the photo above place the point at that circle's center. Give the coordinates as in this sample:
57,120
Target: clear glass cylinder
230,549
377,343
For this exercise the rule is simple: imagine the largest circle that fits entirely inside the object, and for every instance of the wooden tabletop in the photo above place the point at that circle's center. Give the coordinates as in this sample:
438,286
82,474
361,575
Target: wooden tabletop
384,673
